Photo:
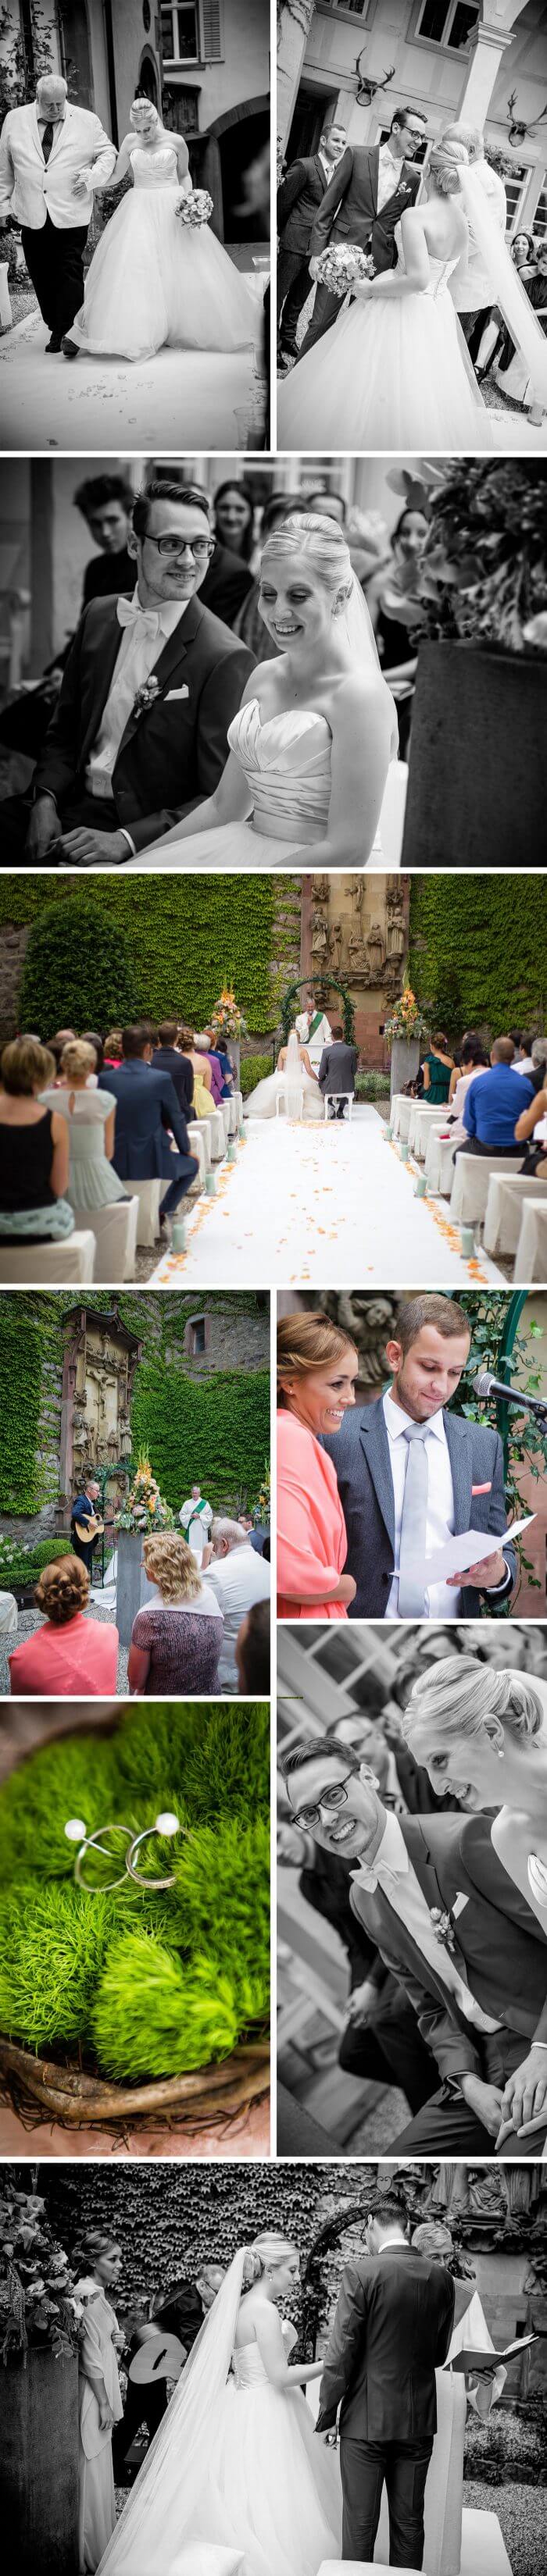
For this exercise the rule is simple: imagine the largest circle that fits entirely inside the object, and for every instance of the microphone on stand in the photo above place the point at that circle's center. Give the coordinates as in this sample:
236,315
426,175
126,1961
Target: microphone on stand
486,1386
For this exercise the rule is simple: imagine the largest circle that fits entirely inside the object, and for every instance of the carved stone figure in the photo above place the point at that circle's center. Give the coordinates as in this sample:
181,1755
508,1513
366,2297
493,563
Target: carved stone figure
375,951
370,1321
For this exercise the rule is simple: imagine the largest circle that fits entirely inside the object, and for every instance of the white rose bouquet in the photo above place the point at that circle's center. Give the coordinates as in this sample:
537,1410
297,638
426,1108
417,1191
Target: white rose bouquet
342,266
196,209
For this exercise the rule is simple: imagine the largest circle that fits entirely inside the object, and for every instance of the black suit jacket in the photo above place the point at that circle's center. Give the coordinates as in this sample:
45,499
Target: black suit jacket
391,2332
227,583
349,208
146,1108
171,757
338,1066
298,199
181,1073
497,1943
360,1454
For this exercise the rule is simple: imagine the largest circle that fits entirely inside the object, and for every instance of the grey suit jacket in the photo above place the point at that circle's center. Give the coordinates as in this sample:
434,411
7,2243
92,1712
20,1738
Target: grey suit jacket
360,1454
338,1066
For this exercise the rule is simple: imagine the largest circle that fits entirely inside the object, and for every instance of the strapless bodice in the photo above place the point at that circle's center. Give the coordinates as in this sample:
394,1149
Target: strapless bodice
439,270
286,761
157,169
248,2368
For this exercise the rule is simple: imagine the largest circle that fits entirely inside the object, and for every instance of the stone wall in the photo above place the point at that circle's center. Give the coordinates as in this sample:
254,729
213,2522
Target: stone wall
360,931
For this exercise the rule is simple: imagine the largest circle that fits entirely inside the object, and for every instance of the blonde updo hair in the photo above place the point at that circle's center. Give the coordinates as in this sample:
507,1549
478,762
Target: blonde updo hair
446,164
266,2253
459,1695
169,1563
78,1059
63,1589
322,541
305,1344
139,106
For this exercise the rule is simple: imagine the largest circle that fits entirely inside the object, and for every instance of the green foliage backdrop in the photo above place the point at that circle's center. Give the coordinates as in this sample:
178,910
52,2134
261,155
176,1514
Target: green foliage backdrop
164,944
214,1425
214,1431
494,930
21,1354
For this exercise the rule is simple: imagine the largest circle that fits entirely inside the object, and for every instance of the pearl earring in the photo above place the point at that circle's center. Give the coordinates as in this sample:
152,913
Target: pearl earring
499,1749
164,1824
76,1832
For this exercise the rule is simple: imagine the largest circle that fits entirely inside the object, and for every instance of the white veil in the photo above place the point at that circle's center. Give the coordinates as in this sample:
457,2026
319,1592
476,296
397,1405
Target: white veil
294,1076
162,2504
507,289
364,649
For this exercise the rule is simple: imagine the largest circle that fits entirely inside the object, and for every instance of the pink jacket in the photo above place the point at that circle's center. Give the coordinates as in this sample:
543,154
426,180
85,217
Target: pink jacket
311,1530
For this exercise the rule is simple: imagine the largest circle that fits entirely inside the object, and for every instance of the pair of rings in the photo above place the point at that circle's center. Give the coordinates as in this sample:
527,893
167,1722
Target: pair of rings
76,1833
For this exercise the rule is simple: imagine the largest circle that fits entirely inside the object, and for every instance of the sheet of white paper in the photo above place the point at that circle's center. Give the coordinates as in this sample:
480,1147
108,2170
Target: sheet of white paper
469,1549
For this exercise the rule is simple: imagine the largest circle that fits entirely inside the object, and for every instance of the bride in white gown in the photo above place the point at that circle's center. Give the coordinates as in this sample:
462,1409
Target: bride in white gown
237,2463
294,1084
311,747
153,281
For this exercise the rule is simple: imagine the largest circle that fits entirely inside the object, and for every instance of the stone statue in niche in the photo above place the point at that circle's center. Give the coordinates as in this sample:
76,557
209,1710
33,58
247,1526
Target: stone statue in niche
375,952
370,1322
335,946
319,937
395,909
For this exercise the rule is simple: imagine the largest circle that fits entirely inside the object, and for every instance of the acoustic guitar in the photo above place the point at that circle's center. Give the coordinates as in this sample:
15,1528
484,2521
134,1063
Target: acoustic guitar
87,1530
160,2356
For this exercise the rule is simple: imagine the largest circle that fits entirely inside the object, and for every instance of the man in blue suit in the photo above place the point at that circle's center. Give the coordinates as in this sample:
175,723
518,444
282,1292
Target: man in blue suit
411,1475
147,1110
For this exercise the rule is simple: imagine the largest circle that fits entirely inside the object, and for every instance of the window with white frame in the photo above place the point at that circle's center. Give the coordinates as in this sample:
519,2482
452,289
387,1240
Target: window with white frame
540,218
191,32
361,9
449,23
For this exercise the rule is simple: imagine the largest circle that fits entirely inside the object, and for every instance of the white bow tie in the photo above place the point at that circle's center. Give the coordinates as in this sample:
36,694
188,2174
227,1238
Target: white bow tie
130,613
371,1878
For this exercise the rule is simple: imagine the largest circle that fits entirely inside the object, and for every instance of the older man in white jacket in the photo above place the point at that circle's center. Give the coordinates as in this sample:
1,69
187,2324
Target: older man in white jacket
52,157
472,290
238,1576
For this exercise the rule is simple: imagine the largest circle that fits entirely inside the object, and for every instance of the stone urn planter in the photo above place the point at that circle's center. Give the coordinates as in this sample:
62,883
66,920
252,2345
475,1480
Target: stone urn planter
233,1049
405,1058
132,1588
476,787
39,2472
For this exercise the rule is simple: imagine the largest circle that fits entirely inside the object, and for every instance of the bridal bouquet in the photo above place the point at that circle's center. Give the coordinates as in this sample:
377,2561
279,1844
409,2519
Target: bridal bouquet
195,210
343,265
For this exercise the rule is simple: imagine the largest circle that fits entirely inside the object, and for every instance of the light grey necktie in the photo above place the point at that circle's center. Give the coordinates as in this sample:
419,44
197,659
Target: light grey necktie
413,1523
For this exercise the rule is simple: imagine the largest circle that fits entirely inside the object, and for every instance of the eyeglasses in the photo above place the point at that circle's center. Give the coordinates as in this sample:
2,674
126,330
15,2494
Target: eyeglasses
196,546
335,1797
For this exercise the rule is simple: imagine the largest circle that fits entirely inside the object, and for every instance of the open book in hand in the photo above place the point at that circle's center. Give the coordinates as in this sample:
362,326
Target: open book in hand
471,1548
470,2360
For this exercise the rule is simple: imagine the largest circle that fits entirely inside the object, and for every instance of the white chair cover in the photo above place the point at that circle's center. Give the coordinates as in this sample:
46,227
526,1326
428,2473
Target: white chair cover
49,1265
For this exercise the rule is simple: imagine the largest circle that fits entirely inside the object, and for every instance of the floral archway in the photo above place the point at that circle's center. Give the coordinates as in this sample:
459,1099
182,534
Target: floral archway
304,986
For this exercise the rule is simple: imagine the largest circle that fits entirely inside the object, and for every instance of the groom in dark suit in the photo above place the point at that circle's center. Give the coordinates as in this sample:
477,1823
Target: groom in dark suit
337,1071
139,735
391,2332
398,1502
372,187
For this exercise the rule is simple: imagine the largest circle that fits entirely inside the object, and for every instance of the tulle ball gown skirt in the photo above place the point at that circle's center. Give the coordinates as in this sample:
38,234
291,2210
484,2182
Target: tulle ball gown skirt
154,283
396,372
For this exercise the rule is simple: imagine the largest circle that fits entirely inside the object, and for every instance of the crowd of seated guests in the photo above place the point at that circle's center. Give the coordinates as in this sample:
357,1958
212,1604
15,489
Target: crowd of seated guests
82,1118
496,1097
203,1628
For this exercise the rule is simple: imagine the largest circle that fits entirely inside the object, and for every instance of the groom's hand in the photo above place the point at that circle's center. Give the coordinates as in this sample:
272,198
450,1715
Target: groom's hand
361,2003
525,2093
43,828
87,849
484,1576
313,265
485,2100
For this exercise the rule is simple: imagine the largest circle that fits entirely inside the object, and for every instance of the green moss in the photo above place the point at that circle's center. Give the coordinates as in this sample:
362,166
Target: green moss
154,2017
222,1903
169,943
53,1943
69,1779
230,1771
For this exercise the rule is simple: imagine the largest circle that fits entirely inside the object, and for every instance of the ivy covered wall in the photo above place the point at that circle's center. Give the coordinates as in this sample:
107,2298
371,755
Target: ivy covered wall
491,933
158,946
205,1416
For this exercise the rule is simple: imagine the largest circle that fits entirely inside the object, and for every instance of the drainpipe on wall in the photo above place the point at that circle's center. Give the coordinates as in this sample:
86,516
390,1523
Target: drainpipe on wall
111,68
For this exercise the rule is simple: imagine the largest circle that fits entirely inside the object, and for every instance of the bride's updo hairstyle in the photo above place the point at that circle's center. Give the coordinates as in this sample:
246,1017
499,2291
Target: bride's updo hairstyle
266,2255
447,161
460,1697
306,1344
141,112
322,542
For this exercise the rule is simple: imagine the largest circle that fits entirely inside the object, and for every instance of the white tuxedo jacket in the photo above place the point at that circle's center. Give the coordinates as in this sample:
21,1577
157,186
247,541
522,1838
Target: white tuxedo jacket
31,188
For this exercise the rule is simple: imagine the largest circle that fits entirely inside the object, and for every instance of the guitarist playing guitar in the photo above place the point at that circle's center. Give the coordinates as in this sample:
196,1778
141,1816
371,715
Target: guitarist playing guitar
85,1528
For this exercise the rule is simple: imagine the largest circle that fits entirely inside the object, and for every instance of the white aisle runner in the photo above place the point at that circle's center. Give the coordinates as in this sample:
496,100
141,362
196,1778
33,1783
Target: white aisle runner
319,1205
109,403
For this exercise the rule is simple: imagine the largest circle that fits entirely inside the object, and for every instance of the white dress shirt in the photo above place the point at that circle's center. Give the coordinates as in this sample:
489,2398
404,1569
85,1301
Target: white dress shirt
441,1602
141,646
238,1580
393,1872
389,175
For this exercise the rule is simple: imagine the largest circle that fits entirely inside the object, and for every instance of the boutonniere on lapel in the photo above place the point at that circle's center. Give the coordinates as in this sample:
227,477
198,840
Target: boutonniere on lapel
146,696
443,1927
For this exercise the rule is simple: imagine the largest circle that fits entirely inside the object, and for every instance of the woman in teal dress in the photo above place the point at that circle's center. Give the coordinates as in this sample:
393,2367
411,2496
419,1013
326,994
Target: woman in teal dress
437,1068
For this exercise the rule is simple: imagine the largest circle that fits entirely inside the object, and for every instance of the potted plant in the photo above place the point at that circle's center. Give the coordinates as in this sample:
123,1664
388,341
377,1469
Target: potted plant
476,791
404,1031
228,1026
39,2326
143,1511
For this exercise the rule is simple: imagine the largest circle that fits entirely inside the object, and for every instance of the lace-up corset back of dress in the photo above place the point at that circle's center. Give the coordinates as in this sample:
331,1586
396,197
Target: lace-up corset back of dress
286,761
440,269
156,168
249,2371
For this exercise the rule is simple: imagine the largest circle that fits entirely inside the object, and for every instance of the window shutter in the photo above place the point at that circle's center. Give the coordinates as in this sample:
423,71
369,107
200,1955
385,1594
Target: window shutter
211,31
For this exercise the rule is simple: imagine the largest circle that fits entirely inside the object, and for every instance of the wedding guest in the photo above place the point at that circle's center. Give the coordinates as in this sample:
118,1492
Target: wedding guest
233,507
91,1120
219,1056
113,1051
472,290
397,614
497,349
34,1148
90,1037
472,1060
493,1105
106,502
438,1066
299,195
147,1113
106,787
176,1641
71,1654
202,1096
317,1367
533,1124
337,1071
179,2310
206,1052
169,1058
100,2404
236,1577
50,193
523,1061
253,1651
411,1473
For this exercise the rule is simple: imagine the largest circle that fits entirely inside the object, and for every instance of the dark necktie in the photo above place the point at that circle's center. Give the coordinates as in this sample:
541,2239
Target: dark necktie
47,139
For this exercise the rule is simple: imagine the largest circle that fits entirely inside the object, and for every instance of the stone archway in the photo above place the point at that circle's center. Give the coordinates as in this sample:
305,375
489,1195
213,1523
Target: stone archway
219,158
147,85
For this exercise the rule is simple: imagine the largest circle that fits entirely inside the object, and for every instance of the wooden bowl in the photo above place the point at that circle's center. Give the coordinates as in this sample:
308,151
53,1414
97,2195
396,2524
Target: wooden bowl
36,2088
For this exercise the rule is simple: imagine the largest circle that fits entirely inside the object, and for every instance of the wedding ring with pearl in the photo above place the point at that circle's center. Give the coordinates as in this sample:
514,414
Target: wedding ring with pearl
76,1832
164,1824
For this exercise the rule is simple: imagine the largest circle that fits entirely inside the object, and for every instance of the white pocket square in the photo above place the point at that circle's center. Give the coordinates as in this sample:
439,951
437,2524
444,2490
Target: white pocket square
175,693
458,1905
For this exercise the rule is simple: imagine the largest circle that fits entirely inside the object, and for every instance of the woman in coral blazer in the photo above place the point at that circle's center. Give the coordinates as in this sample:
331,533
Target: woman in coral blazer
317,1369
71,1653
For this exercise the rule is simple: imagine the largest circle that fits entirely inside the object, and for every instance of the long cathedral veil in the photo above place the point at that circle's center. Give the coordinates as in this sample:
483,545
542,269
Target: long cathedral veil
507,288
362,640
293,1078
163,2501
